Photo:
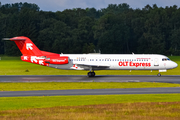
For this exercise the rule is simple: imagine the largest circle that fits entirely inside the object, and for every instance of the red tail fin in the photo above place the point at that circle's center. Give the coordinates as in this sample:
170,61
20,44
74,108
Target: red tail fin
26,46
32,54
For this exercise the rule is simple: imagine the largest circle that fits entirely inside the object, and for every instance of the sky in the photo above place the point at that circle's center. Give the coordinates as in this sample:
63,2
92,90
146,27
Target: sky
60,5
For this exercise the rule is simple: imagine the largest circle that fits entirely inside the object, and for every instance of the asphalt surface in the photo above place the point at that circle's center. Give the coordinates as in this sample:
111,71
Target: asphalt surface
81,78
120,78
91,92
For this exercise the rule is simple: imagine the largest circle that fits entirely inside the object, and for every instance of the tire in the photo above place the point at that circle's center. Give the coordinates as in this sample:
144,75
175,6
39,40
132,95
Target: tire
89,74
93,74
159,74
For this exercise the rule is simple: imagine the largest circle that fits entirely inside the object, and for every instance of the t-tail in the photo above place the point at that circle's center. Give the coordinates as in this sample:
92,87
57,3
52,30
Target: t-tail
26,46
31,53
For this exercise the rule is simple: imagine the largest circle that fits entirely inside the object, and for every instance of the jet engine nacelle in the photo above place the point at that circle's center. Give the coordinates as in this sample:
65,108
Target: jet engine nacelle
45,60
59,60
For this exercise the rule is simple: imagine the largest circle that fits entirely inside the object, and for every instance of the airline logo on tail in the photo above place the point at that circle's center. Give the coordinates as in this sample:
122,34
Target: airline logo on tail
29,46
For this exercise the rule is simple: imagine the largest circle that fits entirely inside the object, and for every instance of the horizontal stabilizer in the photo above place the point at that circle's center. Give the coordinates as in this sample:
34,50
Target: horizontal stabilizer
6,38
12,39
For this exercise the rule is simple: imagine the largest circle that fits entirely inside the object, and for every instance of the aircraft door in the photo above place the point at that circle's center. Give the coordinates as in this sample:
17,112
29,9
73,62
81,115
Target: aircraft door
156,62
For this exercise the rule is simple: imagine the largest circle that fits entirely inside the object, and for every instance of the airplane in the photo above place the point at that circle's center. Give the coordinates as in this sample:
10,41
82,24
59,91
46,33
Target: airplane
91,62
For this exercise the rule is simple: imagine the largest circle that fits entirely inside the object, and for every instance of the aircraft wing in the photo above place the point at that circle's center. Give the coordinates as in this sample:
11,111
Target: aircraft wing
94,65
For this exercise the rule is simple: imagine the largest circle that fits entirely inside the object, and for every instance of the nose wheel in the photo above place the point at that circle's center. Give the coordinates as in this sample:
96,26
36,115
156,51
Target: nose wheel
159,74
91,74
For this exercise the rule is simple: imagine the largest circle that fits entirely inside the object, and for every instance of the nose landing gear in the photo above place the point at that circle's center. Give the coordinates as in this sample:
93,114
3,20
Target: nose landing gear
159,74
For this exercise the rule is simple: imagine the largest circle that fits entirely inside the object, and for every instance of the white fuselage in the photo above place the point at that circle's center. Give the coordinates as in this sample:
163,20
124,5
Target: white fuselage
117,62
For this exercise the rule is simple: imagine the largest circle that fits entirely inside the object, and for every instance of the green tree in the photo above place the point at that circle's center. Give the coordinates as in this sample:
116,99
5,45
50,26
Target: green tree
112,34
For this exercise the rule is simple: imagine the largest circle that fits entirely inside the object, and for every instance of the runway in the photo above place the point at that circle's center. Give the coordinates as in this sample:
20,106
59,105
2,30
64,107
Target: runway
117,78
83,78
90,92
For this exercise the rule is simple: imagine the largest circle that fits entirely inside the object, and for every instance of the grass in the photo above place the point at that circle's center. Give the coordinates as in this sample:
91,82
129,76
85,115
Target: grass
120,111
13,103
14,66
151,106
79,85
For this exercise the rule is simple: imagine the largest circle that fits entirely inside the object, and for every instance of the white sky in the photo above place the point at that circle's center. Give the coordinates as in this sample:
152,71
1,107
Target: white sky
60,5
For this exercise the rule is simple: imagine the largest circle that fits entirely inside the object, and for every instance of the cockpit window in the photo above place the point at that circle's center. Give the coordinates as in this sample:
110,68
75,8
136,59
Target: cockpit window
165,59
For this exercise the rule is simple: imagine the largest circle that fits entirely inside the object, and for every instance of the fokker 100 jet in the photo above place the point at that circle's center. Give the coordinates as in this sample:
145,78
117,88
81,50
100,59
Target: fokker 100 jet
91,62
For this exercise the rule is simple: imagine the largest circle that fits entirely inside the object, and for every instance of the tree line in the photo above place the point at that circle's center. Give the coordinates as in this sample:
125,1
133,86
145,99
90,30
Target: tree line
117,29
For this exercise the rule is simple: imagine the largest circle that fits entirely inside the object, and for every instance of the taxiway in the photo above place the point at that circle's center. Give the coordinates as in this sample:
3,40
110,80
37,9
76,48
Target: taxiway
91,92
83,78
118,78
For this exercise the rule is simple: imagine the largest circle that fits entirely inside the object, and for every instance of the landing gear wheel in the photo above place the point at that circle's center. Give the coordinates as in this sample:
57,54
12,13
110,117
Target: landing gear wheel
91,74
159,74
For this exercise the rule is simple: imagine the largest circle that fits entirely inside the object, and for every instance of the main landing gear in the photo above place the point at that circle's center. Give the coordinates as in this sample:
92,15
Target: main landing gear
91,74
